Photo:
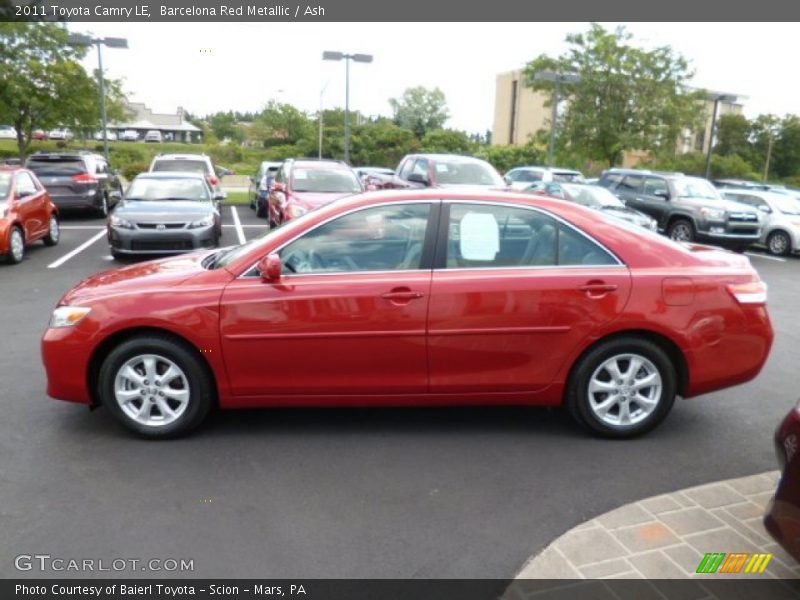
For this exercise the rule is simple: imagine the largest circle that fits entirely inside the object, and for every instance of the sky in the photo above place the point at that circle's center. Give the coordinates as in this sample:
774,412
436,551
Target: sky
209,67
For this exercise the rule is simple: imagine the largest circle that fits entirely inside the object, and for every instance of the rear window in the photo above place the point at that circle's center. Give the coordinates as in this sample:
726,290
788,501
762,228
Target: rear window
55,167
192,166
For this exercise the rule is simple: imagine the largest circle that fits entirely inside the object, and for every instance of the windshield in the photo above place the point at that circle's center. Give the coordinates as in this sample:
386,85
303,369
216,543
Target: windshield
56,167
466,173
338,181
694,187
592,196
151,189
5,185
192,166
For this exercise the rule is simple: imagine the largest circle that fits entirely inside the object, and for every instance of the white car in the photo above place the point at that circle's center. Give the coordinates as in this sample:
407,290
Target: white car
522,177
780,218
61,134
154,135
7,132
129,135
110,136
192,163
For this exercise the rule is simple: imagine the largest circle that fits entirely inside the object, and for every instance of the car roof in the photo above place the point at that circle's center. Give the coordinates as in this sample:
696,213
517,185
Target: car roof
447,157
202,157
171,175
325,164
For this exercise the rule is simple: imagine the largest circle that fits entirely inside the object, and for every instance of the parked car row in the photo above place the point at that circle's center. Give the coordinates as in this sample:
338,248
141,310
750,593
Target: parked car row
7,132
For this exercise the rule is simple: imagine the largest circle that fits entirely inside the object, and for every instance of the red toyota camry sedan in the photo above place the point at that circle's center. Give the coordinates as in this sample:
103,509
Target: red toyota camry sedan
27,213
425,297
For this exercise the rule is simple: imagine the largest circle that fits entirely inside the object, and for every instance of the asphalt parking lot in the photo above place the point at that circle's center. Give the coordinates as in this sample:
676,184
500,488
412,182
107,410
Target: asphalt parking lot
342,493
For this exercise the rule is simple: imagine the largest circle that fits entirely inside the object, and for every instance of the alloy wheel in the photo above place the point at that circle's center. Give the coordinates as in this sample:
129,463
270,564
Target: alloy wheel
151,390
624,390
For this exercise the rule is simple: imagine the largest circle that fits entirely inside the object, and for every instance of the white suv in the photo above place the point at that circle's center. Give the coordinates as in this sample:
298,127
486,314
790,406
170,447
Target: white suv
192,163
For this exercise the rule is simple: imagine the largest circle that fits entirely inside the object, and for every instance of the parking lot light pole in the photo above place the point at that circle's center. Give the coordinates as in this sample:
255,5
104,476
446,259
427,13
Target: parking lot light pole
364,58
557,79
717,99
78,39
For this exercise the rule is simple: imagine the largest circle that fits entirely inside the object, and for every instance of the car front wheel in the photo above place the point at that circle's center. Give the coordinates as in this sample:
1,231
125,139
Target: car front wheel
622,388
156,387
16,246
779,244
681,231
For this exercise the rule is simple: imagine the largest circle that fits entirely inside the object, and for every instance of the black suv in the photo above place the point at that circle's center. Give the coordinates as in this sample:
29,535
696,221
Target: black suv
685,208
77,180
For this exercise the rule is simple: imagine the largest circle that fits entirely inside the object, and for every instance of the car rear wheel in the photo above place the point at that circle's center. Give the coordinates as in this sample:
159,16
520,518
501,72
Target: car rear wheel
778,243
622,388
156,387
102,209
681,230
16,246
53,232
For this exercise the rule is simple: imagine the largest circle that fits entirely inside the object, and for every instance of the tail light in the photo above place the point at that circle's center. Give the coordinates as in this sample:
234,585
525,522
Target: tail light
752,292
84,178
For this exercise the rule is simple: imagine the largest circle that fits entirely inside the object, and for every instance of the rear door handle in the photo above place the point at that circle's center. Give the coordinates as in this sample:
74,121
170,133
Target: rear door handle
597,288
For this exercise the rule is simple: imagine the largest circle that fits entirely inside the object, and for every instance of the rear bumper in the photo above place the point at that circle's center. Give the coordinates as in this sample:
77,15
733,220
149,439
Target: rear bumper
77,201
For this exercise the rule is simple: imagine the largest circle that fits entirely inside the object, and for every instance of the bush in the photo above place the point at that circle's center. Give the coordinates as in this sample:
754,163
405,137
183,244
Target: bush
131,170
505,158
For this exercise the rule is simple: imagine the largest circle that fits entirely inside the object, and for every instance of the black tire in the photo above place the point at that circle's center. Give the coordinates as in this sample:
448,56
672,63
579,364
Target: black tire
779,243
261,211
13,257
579,399
201,386
681,230
102,209
53,235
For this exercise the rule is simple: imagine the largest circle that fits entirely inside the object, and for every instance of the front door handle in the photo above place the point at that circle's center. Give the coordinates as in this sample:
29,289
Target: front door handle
402,295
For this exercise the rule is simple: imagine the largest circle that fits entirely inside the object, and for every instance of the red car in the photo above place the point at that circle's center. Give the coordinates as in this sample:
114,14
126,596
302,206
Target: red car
783,514
427,297
305,184
27,213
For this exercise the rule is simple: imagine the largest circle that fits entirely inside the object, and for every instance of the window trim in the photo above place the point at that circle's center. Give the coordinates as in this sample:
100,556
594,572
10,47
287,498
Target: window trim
440,257
428,243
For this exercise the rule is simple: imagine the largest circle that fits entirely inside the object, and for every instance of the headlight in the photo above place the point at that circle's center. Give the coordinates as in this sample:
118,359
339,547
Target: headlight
120,223
204,222
716,214
296,211
67,316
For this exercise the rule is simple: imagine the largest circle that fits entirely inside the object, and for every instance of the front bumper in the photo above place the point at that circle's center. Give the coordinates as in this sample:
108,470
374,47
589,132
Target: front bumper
153,241
66,352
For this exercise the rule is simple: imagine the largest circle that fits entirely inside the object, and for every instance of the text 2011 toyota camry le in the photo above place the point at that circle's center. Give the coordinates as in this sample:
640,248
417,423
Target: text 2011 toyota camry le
428,297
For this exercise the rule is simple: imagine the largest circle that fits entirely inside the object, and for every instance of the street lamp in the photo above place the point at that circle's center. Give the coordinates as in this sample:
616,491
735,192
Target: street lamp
363,58
321,93
717,99
79,39
558,79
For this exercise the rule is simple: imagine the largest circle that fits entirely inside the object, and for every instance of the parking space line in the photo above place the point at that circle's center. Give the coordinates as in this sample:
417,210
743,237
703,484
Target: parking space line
238,224
764,256
78,250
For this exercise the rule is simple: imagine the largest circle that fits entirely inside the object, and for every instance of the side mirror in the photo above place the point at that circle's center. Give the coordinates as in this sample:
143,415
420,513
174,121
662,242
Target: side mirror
270,268
764,208
278,187
664,195
371,187
418,178
220,195
507,180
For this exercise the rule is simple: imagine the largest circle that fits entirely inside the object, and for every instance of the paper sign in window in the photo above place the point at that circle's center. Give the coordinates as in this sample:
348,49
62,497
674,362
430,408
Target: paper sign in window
480,237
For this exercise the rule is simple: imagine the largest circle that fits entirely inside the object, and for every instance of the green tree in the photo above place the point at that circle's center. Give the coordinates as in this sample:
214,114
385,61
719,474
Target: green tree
225,125
448,141
420,110
282,124
626,98
787,147
43,85
733,136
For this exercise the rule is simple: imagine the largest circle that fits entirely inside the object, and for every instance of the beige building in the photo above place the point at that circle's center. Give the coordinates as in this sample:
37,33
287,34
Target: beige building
173,127
520,112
